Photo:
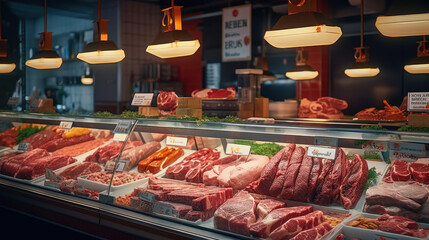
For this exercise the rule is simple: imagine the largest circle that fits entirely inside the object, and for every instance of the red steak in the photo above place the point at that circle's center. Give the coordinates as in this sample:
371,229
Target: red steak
266,206
352,187
420,172
269,172
296,225
302,186
400,171
314,233
277,186
292,172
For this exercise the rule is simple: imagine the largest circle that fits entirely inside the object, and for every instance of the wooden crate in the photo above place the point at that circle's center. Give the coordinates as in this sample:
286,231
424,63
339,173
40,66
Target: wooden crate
417,120
190,112
189,102
148,111
262,107
246,110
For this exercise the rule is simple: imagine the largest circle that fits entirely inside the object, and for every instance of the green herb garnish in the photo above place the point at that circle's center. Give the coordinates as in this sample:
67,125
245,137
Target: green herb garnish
131,114
26,132
371,155
372,178
266,149
407,128
373,127
102,114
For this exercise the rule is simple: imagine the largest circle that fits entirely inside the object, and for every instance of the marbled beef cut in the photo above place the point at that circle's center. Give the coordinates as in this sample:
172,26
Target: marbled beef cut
420,172
400,171
296,225
292,172
352,186
167,103
277,185
302,185
269,172
314,233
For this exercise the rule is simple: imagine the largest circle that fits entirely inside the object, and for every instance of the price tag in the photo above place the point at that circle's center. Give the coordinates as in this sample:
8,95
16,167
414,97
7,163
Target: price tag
119,168
375,146
147,196
326,141
406,151
166,209
119,137
66,125
142,99
321,152
23,146
123,126
176,141
418,102
237,149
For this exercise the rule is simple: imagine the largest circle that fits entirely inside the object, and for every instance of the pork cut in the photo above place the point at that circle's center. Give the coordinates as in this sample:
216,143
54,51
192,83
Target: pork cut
269,172
59,143
301,188
352,187
266,206
33,168
73,172
167,103
391,210
314,233
134,155
296,225
324,107
400,171
277,185
236,214
109,151
401,225
276,218
420,172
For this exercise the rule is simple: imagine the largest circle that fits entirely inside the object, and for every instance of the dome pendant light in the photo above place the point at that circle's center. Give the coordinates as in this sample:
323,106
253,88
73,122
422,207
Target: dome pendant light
6,66
87,78
302,71
173,41
302,29
46,58
420,64
362,68
101,50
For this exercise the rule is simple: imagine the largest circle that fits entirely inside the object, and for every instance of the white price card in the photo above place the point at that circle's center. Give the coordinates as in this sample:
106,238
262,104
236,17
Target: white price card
418,102
119,137
66,125
123,126
176,141
321,152
376,146
119,168
237,149
142,99
23,146
326,141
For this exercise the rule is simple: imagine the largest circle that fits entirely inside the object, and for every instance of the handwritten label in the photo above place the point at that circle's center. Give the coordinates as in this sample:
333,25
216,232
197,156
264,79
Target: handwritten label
166,209
237,149
66,125
123,126
395,155
119,167
142,99
23,146
321,152
119,137
375,146
326,141
418,102
147,196
413,148
176,141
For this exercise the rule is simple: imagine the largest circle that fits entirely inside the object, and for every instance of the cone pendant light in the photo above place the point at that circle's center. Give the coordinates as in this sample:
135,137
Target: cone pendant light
6,66
173,41
362,67
46,58
101,50
302,71
420,64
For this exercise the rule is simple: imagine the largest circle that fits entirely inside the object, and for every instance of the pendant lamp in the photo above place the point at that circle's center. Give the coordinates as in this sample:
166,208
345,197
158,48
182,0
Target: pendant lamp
6,66
46,58
173,41
101,50
420,64
405,18
362,67
302,71
87,78
302,29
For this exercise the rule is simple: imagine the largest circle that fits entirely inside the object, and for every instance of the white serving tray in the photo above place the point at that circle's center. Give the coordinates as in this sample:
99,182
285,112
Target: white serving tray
99,187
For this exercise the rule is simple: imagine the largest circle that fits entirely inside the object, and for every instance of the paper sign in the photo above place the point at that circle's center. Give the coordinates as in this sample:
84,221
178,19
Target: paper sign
237,149
142,99
66,125
123,126
119,168
23,146
147,196
321,152
375,146
166,209
418,102
119,137
326,141
176,141
395,155
413,148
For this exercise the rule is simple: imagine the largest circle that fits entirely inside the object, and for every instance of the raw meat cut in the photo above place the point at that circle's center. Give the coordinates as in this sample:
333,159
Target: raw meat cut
324,107
167,103
119,178
296,225
48,134
292,172
334,102
64,142
420,172
12,166
109,151
352,187
301,188
314,233
401,194
236,214
203,215
81,148
33,168
6,157
400,171
276,218
277,186
210,93
327,165
134,155
269,172
266,206
316,170
388,113
401,225
73,172
173,209
392,210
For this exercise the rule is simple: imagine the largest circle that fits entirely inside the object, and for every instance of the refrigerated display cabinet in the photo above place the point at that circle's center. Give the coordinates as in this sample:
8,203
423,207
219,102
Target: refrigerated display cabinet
94,207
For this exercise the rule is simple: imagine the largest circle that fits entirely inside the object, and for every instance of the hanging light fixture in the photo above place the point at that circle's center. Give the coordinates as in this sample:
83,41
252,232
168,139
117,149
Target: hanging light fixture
173,41
6,66
420,64
101,50
302,29
397,24
46,58
362,67
302,71
87,78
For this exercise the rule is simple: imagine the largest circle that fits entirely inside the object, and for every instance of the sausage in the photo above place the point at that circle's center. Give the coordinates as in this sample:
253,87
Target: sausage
158,165
142,165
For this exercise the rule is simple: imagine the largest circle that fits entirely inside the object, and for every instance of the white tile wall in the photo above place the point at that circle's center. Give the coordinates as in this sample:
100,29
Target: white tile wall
80,98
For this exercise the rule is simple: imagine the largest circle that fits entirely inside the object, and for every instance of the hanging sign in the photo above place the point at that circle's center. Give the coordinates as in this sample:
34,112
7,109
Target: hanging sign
322,152
237,149
418,102
142,99
236,33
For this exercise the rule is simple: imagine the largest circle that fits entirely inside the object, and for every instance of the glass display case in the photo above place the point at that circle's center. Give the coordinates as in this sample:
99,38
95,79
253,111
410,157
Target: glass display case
170,179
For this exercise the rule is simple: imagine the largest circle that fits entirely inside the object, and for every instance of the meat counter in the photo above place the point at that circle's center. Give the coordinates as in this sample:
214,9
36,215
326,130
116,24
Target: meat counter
165,179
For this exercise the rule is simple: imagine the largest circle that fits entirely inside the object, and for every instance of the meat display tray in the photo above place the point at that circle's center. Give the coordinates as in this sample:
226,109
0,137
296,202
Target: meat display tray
99,187
369,234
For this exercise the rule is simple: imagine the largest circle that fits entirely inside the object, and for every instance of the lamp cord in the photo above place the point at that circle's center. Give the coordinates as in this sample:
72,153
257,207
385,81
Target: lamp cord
45,16
361,23
0,19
